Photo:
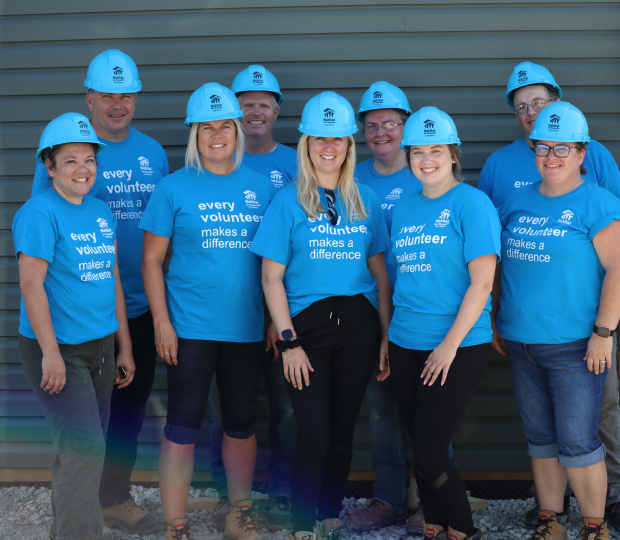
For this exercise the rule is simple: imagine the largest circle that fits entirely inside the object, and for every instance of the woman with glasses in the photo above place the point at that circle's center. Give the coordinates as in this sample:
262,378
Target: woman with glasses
322,242
207,309
559,305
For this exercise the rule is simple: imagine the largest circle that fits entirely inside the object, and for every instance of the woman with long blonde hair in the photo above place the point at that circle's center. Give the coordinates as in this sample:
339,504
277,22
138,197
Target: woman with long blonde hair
322,242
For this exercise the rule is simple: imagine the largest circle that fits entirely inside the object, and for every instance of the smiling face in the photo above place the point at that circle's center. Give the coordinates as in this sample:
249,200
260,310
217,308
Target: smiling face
73,171
260,111
560,171
432,165
528,94
111,113
384,144
216,142
327,154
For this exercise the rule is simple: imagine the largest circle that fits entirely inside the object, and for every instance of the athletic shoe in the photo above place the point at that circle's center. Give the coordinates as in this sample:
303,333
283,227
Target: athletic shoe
279,514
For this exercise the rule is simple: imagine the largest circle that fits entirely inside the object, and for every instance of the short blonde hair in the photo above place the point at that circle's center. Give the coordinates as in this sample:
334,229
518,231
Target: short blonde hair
307,184
192,153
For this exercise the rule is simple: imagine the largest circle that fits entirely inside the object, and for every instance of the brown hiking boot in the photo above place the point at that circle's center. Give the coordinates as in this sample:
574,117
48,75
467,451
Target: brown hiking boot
178,530
432,531
375,516
594,529
131,518
240,523
550,527
415,523
331,529
303,535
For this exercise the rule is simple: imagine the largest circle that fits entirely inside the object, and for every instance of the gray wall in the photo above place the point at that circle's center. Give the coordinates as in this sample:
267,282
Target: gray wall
454,54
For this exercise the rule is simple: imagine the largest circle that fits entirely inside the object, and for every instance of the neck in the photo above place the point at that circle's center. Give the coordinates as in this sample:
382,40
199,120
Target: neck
221,168
437,190
527,139
106,135
386,165
558,189
328,180
259,144
72,200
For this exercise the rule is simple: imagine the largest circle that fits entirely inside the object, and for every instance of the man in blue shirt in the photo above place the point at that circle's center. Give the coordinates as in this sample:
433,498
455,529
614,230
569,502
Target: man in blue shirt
126,178
531,87
260,97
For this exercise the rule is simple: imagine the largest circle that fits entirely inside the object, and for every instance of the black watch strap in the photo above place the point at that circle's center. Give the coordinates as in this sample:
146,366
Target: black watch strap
603,331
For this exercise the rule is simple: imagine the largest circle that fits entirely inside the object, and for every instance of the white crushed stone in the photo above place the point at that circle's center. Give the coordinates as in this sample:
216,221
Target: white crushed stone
25,514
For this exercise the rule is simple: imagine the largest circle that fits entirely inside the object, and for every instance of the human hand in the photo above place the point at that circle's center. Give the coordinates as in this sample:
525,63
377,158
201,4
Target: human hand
438,361
54,373
598,354
296,367
270,341
166,342
384,361
498,343
125,359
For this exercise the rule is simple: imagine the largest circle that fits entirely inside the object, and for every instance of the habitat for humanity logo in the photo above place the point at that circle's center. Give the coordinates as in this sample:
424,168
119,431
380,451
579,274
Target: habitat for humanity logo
145,166
377,98
567,215
394,194
522,77
84,128
443,219
328,117
250,199
257,78
216,103
118,75
105,229
276,178
429,128
554,122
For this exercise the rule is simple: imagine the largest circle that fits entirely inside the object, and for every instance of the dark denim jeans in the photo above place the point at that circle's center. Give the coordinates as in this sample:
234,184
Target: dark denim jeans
282,432
78,420
559,401
127,411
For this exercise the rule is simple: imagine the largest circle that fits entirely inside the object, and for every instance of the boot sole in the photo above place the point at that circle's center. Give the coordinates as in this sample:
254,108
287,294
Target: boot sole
378,526
111,522
279,527
226,537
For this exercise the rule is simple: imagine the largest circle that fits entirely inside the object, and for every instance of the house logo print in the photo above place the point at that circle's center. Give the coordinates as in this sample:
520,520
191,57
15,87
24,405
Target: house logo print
394,194
84,128
118,75
102,223
567,215
215,103
328,117
257,78
443,219
329,113
215,98
554,122
83,124
105,228
251,199
522,76
555,119
429,124
257,75
377,97
118,70
144,161
445,214
429,128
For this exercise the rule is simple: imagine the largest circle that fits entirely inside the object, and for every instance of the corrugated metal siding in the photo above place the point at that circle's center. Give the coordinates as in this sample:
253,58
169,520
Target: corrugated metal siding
454,54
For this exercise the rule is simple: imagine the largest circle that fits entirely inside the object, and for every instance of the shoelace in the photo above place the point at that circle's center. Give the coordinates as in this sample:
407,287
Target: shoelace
222,502
342,533
542,530
281,502
246,521
183,533
594,533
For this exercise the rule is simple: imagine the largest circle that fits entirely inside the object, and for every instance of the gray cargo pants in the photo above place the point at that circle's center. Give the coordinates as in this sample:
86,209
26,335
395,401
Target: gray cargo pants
78,420
609,432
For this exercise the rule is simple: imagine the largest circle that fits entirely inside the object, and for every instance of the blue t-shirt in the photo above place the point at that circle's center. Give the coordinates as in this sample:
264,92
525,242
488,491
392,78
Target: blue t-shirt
127,173
280,165
322,260
77,240
391,189
432,242
213,285
514,166
551,275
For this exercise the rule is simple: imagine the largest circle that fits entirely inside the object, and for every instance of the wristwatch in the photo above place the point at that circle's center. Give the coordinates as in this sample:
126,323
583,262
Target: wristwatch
603,331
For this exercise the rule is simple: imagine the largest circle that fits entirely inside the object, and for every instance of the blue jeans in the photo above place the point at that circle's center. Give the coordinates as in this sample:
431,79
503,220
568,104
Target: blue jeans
559,401
282,432
388,438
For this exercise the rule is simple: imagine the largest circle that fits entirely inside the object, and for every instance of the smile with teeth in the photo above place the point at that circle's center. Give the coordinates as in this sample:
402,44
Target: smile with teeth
429,170
217,145
80,180
329,157
256,122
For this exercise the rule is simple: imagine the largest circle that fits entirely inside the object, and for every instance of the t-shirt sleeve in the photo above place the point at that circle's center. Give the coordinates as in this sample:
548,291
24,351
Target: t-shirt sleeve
608,211
158,218
165,169
273,237
380,237
481,232
608,174
34,235
41,180
484,182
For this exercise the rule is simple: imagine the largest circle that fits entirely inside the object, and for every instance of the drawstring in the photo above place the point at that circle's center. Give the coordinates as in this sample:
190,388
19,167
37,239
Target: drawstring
335,309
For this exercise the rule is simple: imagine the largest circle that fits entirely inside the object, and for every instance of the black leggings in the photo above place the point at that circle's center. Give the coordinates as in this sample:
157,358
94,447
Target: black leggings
341,336
432,415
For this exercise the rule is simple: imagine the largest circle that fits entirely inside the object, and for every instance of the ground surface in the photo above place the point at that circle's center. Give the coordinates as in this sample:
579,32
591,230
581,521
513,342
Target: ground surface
25,514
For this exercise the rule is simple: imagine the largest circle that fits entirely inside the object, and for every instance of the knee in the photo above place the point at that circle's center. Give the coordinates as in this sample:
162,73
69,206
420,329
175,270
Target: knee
316,444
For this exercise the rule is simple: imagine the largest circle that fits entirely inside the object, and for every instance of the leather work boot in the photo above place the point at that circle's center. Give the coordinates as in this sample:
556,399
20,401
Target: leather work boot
131,518
455,535
331,529
550,527
303,535
594,529
415,523
432,531
240,523
220,513
531,516
279,514
178,530
375,516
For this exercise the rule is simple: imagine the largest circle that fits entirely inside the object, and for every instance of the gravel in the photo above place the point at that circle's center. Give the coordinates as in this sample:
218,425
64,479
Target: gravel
25,514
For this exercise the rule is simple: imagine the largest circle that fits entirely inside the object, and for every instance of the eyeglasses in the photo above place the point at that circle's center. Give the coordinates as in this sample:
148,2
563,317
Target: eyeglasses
386,126
536,106
543,150
331,210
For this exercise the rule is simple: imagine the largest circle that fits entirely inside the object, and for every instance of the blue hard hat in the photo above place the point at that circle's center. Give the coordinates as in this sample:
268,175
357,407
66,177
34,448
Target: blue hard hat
328,115
210,102
526,74
560,122
429,125
68,128
257,79
114,72
383,95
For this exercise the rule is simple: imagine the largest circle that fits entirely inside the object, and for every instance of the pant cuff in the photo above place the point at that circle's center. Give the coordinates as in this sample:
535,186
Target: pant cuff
280,493
543,451
583,461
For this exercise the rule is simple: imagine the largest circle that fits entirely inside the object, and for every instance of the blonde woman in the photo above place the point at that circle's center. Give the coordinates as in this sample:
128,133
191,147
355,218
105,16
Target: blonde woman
207,309
324,277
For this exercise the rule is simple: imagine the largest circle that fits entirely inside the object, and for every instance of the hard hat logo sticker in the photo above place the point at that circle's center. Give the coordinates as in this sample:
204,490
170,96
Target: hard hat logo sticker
84,128
328,117
554,122
429,128
118,75
522,76
258,78
215,103
377,98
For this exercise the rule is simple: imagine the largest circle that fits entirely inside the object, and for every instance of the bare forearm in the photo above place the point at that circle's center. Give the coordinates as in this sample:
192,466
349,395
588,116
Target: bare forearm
473,303
155,288
122,337
275,295
496,293
385,303
609,306
38,311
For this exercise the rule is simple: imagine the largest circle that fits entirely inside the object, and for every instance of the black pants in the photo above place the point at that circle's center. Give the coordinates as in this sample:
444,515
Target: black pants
127,415
432,415
341,336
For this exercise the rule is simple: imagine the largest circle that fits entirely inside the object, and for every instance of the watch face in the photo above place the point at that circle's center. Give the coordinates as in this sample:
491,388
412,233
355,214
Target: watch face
603,331
287,334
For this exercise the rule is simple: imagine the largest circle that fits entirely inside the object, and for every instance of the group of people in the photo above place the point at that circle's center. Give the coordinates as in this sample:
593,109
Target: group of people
339,282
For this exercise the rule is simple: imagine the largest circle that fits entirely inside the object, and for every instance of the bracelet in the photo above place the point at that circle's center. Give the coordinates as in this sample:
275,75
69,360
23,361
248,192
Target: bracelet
288,344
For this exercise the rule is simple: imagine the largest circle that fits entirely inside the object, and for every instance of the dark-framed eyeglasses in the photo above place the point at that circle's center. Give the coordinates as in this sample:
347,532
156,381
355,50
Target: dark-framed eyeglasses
386,126
332,213
536,105
561,151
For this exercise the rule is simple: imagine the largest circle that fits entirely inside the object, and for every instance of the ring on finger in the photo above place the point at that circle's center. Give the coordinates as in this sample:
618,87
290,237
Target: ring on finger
165,352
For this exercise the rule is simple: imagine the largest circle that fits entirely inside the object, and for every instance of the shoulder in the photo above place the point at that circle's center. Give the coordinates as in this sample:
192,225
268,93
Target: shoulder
599,152
285,195
142,139
505,152
286,151
593,193
246,173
